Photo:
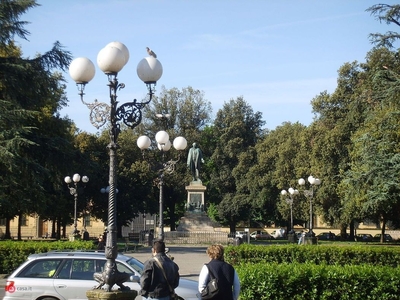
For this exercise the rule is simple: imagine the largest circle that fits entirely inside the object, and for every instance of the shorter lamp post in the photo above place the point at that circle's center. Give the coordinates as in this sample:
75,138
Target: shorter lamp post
144,221
73,189
309,195
163,144
107,190
292,194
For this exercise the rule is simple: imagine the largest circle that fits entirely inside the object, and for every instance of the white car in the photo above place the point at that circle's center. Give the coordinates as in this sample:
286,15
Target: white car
68,275
241,234
278,234
260,235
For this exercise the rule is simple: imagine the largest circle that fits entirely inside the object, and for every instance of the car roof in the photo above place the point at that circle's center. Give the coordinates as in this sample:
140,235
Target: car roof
74,253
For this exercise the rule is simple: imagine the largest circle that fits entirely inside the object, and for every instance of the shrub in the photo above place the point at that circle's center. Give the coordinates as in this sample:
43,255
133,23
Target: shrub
329,255
14,253
308,281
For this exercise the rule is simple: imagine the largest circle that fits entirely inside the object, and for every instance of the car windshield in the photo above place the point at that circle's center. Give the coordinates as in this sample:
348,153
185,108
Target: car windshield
135,264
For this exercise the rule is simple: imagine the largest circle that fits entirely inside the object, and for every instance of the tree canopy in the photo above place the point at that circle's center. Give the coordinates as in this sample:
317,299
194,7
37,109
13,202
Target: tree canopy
352,145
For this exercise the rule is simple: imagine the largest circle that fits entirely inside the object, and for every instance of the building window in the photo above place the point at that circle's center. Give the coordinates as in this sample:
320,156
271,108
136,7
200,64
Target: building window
86,220
24,220
3,222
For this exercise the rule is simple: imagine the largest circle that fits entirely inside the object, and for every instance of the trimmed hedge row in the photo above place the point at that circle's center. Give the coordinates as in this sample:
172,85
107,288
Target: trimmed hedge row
308,281
316,272
14,253
321,254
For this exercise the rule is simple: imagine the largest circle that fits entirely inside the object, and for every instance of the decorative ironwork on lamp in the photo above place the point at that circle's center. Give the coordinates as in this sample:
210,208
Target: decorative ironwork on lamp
111,59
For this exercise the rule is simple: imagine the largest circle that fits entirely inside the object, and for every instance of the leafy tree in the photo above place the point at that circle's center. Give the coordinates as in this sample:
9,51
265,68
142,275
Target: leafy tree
339,116
236,130
189,113
374,171
389,14
10,23
34,93
279,158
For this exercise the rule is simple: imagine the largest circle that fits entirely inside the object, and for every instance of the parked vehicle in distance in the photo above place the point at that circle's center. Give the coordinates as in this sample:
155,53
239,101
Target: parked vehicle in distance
241,234
344,237
326,236
68,275
278,234
363,237
387,238
260,235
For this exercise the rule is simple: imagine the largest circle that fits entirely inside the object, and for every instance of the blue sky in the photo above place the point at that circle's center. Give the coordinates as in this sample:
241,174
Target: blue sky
277,54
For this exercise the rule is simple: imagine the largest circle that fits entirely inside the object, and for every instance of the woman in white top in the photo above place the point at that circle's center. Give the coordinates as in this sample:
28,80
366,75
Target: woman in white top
228,279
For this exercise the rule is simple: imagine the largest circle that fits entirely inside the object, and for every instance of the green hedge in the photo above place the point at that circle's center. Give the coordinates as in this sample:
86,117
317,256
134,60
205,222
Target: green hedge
13,253
316,271
315,254
308,281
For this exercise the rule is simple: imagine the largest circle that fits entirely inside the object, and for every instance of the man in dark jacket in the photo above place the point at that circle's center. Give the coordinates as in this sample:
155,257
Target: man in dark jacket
153,283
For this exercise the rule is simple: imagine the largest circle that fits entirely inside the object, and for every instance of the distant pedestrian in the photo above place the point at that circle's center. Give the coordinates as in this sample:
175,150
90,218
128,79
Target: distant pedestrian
105,235
86,236
301,239
228,279
101,244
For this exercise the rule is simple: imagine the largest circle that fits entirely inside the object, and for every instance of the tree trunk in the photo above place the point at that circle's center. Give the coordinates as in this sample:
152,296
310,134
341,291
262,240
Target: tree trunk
19,226
58,236
232,225
352,232
343,235
383,229
7,235
53,228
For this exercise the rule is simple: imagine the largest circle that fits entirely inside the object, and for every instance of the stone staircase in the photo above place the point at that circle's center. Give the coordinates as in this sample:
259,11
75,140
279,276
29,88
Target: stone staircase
198,221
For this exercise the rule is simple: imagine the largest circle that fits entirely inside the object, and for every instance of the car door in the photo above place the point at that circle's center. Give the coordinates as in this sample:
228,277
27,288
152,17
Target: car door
36,279
75,277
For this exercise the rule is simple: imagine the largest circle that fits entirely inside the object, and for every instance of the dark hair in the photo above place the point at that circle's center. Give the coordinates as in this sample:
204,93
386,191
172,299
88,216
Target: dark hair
159,246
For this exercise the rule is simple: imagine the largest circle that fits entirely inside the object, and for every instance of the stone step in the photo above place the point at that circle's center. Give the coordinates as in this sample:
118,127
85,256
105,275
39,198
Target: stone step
197,222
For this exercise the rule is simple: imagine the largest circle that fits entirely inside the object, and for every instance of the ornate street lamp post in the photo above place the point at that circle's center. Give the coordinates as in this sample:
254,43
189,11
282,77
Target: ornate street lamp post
292,194
111,59
163,144
73,189
314,182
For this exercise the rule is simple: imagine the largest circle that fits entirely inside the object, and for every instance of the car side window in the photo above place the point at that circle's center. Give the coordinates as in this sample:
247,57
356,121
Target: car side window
43,268
83,269
65,271
120,266
123,268
136,265
100,265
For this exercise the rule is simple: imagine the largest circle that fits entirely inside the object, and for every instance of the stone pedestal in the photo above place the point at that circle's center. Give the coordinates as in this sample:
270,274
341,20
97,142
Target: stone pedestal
114,295
74,237
195,199
197,222
195,218
310,240
292,238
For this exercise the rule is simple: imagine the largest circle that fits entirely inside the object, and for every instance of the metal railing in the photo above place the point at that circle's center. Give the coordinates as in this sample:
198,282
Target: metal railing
197,237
